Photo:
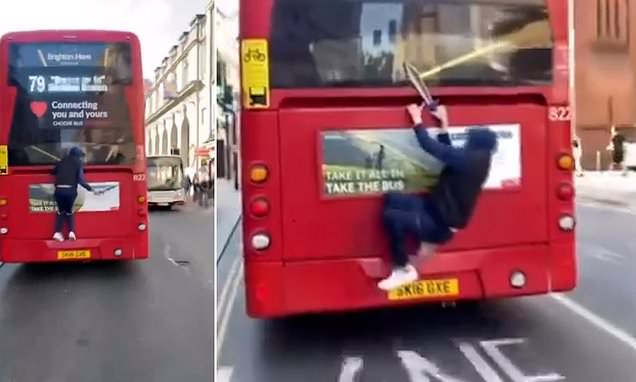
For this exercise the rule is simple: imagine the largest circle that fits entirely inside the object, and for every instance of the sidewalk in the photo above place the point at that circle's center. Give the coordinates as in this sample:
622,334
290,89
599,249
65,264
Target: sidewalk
228,211
607,186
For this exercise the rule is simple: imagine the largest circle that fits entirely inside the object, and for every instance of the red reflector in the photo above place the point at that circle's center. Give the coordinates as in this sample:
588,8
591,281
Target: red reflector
259,207
260,293
566,191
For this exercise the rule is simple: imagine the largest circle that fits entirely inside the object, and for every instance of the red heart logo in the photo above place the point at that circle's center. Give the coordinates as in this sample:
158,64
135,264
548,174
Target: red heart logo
39,108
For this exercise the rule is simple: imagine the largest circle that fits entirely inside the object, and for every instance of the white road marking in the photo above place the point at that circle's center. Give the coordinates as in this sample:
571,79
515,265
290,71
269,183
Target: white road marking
601,206
601,253
605,252
225,289
597,321
480,364
492,349
350,368
419,368
227,312
224,374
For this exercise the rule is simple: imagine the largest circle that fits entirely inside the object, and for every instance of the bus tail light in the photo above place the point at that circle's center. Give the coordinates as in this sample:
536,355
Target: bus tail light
258,173
567,222
566,191
4,201
566,162
259,207
141,199
518,279
261,241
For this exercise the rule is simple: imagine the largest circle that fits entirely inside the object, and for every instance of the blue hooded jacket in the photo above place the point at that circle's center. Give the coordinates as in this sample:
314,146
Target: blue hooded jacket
70,170
464,174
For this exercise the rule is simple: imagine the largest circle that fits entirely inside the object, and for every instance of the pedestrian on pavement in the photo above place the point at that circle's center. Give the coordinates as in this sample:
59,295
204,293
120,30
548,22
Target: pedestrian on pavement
617,145
196,188
187,185
69,173
577,150
433,219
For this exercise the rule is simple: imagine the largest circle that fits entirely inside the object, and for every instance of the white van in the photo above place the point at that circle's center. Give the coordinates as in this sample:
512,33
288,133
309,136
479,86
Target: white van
166,182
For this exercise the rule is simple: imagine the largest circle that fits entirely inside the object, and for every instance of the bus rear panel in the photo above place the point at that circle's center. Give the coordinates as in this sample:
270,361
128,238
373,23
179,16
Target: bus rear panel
63,89
332,136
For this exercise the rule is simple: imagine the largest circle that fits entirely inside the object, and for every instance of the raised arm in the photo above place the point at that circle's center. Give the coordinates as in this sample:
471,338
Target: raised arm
441,148
82,181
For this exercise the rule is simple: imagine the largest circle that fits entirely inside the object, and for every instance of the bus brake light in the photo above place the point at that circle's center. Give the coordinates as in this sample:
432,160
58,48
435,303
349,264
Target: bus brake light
258,173
259,207
566,191
566,162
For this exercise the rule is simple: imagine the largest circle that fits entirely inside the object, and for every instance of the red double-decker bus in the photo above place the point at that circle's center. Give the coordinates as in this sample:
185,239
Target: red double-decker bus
325,133
63,89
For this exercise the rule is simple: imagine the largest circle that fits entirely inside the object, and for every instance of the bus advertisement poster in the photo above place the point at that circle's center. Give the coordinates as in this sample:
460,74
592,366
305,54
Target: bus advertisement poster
41,198
370,161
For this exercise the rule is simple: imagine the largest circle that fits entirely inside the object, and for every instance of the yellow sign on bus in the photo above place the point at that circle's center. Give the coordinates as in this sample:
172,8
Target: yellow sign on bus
255,73
4,160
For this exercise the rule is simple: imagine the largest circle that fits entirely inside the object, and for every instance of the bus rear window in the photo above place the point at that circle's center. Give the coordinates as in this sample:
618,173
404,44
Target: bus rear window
352,43
70,94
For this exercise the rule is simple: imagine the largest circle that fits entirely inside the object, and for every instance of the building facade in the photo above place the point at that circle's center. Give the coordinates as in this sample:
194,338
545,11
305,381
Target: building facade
228,101
179,112
605,75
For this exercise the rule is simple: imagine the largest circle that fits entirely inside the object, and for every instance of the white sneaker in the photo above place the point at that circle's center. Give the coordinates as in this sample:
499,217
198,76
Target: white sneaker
71,236
58,236
399,277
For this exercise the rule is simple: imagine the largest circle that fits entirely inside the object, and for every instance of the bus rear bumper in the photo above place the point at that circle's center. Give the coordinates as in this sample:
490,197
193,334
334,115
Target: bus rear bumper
32,251
275,289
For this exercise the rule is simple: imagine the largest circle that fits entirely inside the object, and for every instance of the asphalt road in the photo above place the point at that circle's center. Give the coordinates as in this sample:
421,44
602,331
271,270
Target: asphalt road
585,336
148,321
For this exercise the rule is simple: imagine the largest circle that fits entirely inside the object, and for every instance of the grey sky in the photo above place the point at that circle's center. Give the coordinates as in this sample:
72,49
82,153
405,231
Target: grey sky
158,23
230,8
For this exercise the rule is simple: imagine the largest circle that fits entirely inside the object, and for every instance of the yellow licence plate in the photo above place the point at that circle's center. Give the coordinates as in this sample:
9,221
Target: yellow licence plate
426,288
72,255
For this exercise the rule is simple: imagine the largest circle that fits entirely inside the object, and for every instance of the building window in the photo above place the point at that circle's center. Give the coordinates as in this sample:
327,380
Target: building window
203,117
612,22
377,37
184,75
203,60
220,73
392,31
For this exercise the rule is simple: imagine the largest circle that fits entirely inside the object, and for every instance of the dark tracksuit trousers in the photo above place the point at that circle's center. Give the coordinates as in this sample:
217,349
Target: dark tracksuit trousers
414,215
65,198
411,215
69,174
